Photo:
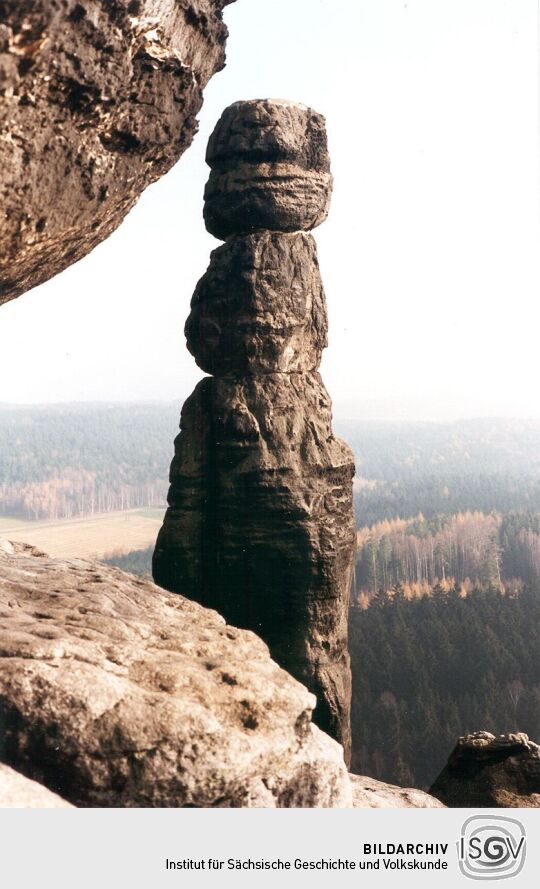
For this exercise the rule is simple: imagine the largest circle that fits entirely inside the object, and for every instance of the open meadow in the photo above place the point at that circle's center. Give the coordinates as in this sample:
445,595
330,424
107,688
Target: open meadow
91,537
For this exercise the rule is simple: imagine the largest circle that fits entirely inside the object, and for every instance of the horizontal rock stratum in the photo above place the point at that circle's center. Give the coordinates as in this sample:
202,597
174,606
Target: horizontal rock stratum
260,308
98,100
116,693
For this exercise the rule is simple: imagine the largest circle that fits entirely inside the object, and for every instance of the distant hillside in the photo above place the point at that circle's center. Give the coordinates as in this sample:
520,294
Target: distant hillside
404,469
64,461
387,450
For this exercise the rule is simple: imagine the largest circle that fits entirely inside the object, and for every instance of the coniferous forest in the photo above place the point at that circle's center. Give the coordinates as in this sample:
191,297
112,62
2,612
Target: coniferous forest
428,670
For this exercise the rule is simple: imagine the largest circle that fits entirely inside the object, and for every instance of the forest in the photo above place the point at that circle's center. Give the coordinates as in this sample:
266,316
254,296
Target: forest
403,469
67,461
428,670
63,461
466,550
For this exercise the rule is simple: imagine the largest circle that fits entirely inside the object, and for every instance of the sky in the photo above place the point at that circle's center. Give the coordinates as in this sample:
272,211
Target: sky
429,255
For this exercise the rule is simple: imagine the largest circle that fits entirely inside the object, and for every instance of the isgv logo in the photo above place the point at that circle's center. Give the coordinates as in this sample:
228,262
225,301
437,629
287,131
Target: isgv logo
491,848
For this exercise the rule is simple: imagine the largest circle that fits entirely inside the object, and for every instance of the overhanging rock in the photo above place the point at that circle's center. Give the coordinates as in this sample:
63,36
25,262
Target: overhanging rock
98,99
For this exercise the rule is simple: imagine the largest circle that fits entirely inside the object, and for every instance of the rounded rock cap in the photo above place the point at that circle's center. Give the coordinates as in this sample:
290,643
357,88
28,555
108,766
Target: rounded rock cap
270,169
269,131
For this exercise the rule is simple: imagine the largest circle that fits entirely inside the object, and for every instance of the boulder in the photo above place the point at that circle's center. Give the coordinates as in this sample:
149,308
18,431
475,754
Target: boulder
99,99
260,307
18,792
371,794
270,169
488,771
116,693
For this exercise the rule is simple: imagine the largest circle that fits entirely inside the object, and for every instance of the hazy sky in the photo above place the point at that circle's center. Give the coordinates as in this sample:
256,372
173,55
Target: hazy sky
430,253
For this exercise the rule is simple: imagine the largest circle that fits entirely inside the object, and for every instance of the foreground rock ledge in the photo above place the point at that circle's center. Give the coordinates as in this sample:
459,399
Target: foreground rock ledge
98,99
116,693
18,792
485,770
371,794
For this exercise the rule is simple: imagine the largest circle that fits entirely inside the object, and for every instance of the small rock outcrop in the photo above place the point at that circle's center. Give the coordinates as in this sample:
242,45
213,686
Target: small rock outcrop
98,100
116,693
260,522
18,792
371,794
488,771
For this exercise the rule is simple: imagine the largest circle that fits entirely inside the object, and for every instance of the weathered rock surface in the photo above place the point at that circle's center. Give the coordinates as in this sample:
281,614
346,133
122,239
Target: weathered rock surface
260,307
270,169
371,794
116,693
98,100
260,524
18,792
262,530
484,770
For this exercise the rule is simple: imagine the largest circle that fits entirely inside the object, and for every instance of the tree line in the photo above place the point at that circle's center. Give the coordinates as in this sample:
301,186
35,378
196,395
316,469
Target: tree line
406,468
76,493
468,549
377,499
61,462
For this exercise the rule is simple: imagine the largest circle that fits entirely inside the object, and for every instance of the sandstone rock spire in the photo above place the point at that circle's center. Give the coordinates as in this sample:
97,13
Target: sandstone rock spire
260,521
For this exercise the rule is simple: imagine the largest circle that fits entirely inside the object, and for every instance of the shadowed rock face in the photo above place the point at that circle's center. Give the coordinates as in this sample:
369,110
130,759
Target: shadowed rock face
260,524
116,693
484,770
98,98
